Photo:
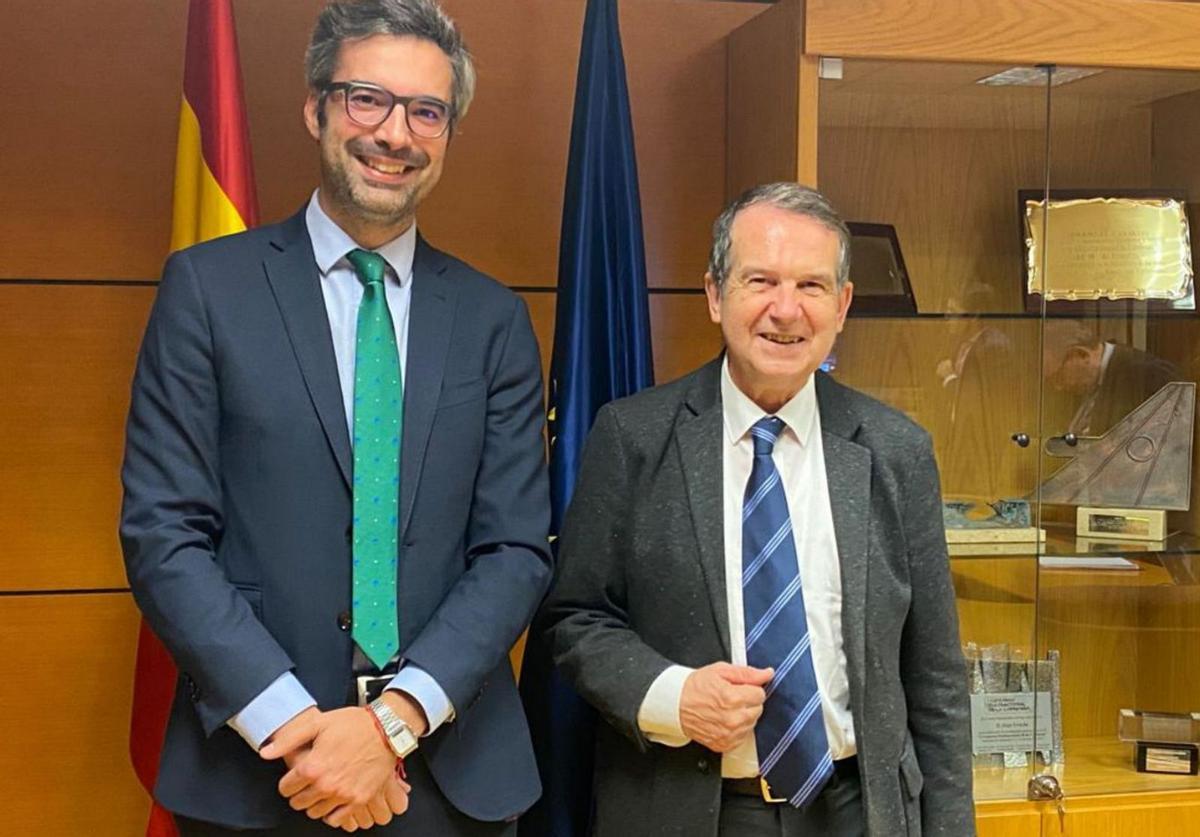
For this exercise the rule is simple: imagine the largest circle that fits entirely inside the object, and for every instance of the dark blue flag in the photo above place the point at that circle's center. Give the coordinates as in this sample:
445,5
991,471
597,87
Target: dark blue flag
601,352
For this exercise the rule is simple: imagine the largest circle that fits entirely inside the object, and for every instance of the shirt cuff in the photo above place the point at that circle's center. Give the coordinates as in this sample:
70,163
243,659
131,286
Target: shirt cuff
272,708
415,682
658,716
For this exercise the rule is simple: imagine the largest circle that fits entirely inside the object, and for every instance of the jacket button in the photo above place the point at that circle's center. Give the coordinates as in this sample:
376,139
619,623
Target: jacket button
344,622
702,766
192,687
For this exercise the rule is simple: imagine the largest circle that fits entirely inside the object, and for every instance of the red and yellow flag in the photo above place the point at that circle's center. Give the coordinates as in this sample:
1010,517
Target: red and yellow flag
214,196
214,178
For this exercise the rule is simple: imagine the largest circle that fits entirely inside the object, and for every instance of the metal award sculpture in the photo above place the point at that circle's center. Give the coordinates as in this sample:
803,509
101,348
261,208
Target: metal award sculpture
1144,461
1139,468
971,523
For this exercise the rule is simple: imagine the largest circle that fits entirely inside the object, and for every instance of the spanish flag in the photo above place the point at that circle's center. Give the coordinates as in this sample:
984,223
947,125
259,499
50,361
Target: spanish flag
214,196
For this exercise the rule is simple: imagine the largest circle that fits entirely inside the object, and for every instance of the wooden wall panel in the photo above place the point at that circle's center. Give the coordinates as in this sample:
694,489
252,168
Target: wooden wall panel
67,675
1117,33
91,109
88,194
684,337
764,107
675,58
67,353
541,312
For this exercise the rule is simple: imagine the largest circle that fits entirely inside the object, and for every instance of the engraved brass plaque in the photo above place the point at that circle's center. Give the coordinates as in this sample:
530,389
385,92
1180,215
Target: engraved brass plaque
1108,248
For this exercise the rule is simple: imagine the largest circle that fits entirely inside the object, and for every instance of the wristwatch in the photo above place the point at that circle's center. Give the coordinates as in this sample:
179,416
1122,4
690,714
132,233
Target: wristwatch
399,737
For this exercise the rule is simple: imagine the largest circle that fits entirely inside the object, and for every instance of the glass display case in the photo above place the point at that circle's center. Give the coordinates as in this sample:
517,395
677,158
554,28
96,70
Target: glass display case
1063,420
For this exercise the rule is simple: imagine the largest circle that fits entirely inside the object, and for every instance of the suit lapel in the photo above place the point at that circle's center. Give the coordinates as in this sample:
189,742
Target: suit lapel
698,439
848,473
292,273
431,315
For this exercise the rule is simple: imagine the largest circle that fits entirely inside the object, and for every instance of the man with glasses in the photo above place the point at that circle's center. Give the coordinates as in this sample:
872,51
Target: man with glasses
335,506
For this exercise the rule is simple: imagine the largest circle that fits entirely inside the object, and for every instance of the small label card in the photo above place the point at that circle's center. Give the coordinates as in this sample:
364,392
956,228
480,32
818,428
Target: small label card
1159,757
1135,524
1004,722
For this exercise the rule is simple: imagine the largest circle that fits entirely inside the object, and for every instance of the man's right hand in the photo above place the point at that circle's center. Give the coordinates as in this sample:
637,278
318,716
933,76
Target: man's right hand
721,703
390,800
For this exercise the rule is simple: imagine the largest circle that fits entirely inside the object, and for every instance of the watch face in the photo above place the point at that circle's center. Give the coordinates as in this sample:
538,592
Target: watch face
405,742
400,737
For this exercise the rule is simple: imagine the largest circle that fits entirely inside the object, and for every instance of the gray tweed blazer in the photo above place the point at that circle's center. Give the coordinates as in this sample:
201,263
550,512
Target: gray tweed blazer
641,586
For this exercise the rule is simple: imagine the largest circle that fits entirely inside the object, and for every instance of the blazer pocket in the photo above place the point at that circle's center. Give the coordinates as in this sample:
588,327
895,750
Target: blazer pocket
910,771
460,392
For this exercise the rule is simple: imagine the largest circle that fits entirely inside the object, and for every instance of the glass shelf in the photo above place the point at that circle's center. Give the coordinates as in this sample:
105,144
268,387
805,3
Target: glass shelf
1093,765
1176,552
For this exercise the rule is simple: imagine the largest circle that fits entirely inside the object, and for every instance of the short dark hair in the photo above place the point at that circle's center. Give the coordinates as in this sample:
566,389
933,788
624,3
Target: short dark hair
791,197
351,20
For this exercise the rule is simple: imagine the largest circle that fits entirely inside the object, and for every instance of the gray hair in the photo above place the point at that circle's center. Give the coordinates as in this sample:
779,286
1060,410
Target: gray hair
353,20
792,197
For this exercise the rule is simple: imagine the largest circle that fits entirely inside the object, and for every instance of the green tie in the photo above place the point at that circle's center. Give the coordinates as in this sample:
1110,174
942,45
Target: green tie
378,410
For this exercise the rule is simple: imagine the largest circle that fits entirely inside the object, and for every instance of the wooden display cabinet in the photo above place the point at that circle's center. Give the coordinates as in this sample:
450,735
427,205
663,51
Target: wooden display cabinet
901,132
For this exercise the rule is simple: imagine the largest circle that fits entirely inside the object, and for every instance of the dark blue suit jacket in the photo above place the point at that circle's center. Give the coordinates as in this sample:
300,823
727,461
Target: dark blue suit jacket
237,509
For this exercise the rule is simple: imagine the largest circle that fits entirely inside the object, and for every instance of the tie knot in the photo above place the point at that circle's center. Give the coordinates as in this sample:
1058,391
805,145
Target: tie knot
766,433
369,266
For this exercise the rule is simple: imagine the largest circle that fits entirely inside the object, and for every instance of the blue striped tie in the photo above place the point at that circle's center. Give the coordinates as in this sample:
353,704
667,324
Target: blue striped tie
793,752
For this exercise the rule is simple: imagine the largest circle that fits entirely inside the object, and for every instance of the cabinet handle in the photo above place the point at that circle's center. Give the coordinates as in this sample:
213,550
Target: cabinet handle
1071,439
1021,439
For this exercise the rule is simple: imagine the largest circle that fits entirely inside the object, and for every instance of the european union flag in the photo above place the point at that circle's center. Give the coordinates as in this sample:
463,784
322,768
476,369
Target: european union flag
601,352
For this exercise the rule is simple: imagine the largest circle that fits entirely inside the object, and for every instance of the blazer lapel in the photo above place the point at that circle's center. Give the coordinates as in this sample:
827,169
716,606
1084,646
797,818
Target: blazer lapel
848,473
698,439
431,316
292,273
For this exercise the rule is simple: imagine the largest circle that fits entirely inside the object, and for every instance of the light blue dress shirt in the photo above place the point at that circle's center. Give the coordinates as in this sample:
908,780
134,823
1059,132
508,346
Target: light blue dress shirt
286,697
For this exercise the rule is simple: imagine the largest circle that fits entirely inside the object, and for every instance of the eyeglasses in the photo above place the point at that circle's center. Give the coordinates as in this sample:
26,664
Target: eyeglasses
370,105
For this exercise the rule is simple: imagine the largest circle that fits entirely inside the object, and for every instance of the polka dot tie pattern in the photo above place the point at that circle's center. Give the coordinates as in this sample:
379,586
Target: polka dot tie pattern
378,418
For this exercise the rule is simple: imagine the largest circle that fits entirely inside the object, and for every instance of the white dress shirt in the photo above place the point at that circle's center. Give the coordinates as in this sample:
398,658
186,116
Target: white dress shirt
799,455
342,291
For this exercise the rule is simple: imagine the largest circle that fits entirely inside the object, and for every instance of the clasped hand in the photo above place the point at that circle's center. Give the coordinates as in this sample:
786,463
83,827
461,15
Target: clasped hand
721,703
340,770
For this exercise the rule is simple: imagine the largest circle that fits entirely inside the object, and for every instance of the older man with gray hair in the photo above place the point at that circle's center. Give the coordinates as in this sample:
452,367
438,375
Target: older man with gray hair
754,589
335,505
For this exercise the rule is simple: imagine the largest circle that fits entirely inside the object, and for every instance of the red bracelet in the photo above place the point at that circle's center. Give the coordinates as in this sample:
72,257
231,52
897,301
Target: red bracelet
400,773
379,726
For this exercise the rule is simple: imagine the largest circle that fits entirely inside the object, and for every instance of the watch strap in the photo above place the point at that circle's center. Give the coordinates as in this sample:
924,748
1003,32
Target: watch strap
399,736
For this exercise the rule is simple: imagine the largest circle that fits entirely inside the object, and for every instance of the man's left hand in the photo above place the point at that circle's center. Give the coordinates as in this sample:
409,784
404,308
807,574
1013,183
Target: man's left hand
339,762
392,800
